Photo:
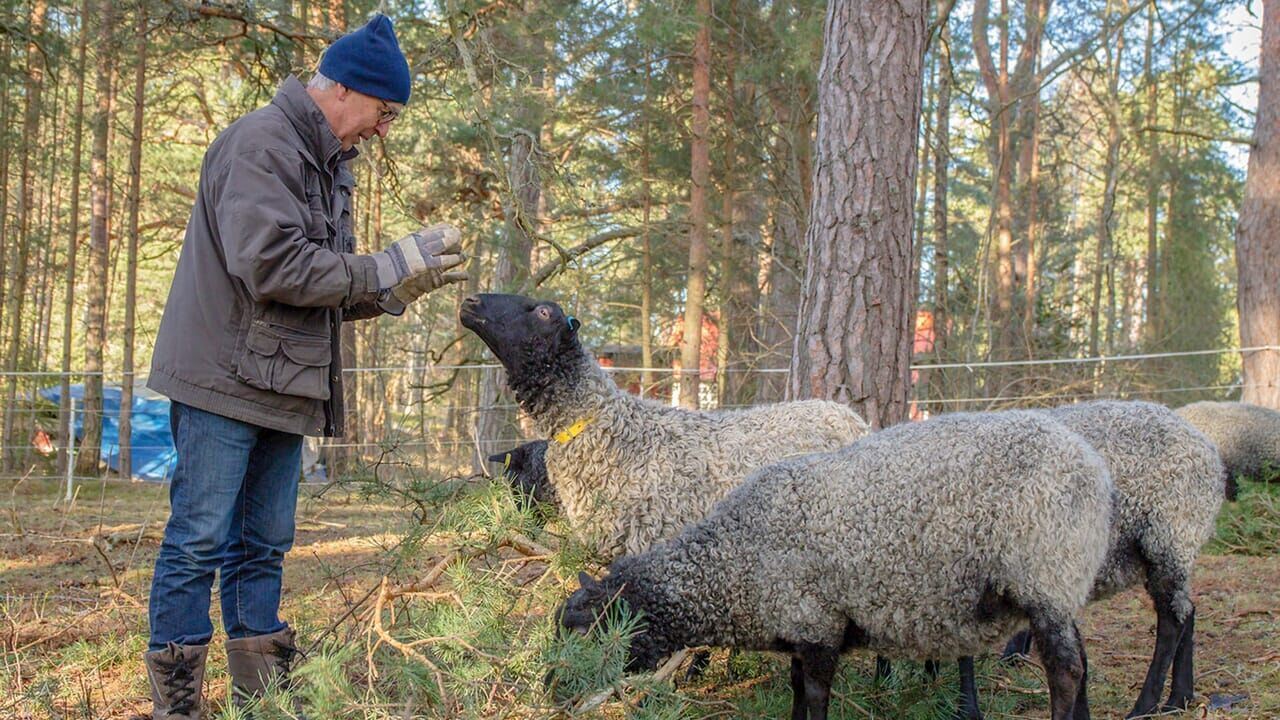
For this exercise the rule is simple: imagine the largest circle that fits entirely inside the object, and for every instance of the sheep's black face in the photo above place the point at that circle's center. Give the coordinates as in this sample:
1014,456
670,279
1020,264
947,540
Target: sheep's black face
526,468
526,335
584,609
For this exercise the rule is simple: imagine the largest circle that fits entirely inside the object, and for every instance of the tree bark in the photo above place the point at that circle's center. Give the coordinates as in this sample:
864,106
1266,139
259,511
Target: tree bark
782,269
99,248
941,166
496,423
16,293
1258,236
6,144
646,247
131,261
700,166
1151,329
855,334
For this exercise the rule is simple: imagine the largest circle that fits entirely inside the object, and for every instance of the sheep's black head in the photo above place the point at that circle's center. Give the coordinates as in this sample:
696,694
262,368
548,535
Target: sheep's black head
525,467
528,336
585,609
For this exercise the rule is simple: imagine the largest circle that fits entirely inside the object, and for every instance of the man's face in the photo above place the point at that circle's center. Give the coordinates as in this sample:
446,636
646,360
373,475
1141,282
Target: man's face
363,116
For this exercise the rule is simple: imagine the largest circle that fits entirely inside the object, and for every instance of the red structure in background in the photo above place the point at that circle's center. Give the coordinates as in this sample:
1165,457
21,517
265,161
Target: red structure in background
920,346
666,355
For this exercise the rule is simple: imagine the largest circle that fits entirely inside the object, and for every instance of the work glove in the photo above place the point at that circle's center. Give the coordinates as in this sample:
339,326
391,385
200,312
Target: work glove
430,251
437,273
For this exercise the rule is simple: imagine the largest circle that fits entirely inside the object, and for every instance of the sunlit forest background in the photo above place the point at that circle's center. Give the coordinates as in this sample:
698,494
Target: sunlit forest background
1106,143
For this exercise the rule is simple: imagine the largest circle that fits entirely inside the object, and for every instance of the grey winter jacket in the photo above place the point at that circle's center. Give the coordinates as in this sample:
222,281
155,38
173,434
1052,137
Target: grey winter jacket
267,274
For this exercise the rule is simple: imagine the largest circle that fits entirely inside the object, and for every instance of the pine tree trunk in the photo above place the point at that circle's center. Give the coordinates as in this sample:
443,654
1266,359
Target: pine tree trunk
16,293
496,426
5,144
995,76
73,244
1258,236
646,260
99,249
855,334
729,345
131,261
1103,270
782,267
941,166
700,171
1151,330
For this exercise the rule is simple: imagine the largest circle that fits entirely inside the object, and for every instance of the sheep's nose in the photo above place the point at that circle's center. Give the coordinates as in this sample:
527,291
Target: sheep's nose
471,301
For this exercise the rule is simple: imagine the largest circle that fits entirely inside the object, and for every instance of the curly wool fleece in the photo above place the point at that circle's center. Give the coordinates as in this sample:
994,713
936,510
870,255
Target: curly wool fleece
927,539
636,471
1247,436
1169,487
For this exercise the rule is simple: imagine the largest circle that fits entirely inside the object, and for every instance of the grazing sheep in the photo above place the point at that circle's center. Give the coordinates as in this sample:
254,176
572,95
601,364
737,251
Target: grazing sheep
1247,436
928,539
1169,487
630,471
525,467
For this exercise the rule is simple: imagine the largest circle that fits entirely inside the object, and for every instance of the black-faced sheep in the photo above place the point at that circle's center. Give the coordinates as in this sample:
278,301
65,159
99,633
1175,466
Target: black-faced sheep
525,468
630,471
927,539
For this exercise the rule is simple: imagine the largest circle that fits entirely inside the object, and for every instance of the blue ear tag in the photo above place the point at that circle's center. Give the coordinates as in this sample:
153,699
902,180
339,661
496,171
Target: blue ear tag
572,322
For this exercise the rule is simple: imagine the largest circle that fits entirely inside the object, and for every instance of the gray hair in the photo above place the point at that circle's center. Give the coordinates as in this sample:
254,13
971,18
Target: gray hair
320,82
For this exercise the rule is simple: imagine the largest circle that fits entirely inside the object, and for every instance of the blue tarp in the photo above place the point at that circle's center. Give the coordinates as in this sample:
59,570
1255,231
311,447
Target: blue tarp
153,455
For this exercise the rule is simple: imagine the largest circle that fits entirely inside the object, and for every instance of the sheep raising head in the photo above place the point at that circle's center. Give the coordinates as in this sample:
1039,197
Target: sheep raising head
529,337
586,608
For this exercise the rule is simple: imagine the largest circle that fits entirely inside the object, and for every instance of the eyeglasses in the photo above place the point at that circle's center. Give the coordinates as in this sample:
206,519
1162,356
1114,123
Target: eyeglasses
386,113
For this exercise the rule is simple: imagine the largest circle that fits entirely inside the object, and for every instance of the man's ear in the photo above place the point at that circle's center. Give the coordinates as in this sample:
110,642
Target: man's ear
574,324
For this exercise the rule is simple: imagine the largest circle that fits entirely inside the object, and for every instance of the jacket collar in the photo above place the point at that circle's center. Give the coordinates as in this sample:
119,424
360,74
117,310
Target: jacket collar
311,125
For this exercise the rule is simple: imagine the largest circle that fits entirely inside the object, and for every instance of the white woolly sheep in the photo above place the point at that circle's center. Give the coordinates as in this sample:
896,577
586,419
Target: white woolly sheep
630,471
928,539
1247,436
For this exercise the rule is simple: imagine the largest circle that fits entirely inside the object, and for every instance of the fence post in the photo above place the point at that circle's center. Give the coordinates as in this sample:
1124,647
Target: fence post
71,447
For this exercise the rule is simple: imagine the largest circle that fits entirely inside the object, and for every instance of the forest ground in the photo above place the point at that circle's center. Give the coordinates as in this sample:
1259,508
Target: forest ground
74,581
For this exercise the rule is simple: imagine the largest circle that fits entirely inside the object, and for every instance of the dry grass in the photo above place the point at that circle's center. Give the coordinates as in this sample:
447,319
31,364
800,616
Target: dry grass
74,581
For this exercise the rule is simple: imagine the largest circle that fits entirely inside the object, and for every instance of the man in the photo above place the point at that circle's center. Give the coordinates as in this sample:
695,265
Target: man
248,350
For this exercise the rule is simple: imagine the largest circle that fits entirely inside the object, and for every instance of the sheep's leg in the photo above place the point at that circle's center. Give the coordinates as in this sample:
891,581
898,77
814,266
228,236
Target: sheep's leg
812,669
1019,646
884,668
1168,637
968,709
799,707
1082,696
931,669
1183,688
698,665
1062,653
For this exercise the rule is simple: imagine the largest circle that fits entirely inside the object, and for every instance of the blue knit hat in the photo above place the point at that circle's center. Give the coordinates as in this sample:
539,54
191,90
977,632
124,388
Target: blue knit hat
369,60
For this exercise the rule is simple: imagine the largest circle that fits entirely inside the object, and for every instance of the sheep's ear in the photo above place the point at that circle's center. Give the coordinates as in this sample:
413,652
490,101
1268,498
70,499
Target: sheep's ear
574,323
499,457
586,581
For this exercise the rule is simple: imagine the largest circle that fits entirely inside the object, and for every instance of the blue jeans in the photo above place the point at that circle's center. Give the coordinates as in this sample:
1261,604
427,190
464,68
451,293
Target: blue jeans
232,502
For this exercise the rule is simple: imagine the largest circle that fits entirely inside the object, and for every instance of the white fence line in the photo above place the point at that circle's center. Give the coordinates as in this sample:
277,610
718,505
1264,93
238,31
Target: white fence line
428,368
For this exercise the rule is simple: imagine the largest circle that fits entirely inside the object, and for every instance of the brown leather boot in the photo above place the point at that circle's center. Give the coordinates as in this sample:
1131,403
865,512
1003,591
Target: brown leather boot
176,675
255,662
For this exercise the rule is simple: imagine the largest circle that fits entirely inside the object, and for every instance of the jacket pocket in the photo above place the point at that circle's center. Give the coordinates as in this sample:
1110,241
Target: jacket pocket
285,361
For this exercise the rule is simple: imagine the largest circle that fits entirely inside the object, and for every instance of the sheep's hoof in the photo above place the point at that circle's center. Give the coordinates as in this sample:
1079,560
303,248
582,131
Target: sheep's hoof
698,665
